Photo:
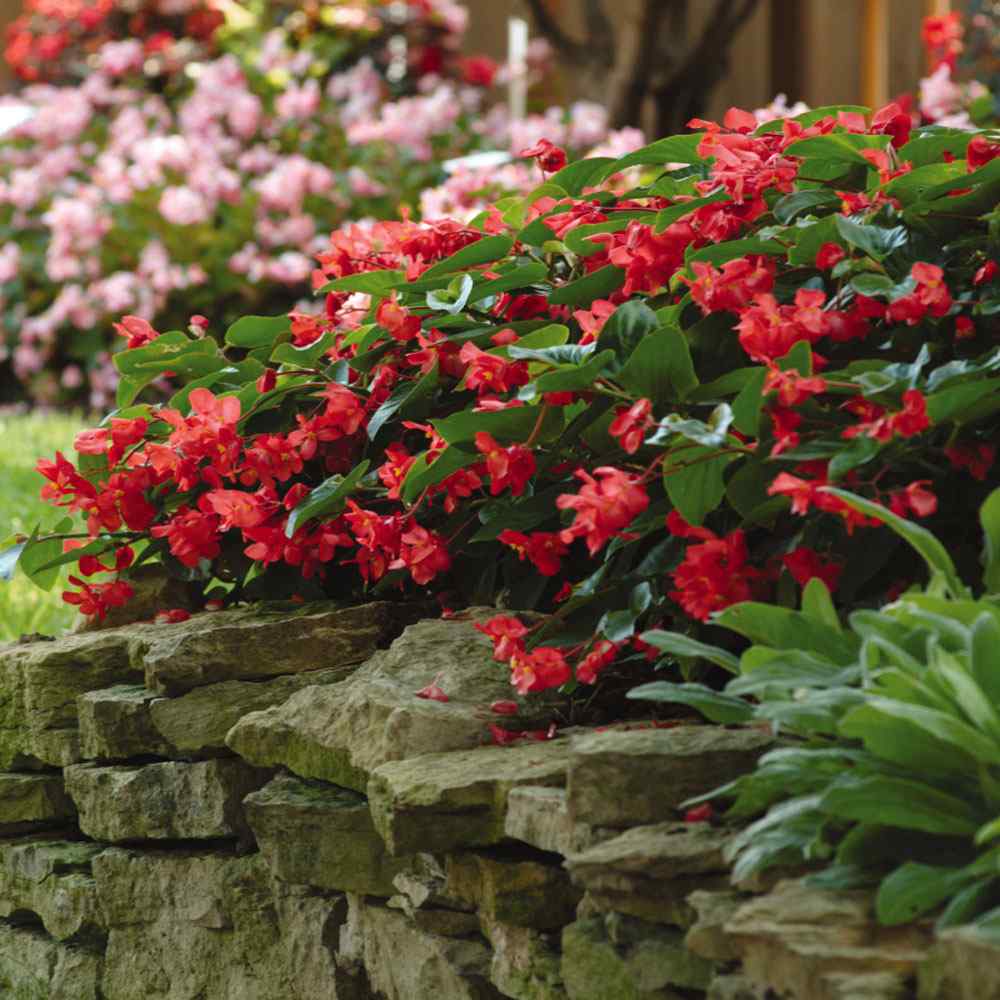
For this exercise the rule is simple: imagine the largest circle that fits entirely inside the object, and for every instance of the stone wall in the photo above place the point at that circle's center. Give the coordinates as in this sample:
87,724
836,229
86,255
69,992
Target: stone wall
255,805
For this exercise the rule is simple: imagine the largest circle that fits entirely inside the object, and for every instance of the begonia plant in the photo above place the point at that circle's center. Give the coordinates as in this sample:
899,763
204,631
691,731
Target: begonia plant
618,407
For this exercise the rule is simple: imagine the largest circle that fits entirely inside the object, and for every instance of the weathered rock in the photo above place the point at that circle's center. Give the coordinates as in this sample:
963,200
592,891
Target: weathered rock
34,967
447,800
623,778
707,936
52,880
733,987
505,887
115,724
649,871
342,733
33,801
405,963
128,721
189,924
799,940
39,686
867,986
621,958
442,922
256,643
525,963
167,801
964,964
540,817
315,834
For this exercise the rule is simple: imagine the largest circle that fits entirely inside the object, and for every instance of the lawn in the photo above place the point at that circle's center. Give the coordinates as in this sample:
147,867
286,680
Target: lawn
24,438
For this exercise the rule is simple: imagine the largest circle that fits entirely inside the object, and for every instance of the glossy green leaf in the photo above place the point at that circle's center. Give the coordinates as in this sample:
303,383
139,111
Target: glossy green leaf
326,499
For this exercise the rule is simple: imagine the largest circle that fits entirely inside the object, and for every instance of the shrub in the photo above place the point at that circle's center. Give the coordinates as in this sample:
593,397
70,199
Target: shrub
619,407
892,731
211,198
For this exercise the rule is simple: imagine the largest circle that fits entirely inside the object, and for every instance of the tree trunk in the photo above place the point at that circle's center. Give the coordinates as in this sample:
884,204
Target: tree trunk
643,64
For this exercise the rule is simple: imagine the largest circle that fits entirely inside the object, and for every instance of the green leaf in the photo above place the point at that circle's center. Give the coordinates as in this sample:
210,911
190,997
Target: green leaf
698,487
989,518
818,605
484,251
933,552
626,328
453,300
303,357
683,645
257,331
914,889
328,498
39,552
876,241
403,400
716,707
520,277
422,474
900,802
674,149
598,284
720,253
749,403
838,146
505,425
669,215
569,377
574,177
378,284
798,202
660,368
928,145
783,628
711,433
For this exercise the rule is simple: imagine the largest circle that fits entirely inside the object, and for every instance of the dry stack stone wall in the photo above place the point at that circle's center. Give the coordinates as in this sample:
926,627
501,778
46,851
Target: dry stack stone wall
254,805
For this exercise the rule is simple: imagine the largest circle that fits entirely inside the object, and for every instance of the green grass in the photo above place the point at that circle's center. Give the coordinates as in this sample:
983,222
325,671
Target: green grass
24,438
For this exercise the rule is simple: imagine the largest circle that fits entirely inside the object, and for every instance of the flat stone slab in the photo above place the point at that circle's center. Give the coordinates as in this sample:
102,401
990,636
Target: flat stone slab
341,733
539,816
622,778
444,801
166,801
525,962
256,643
617,956
53,880
127,721
963,965
39,686
34,967
311,833
406,963
796,937
211,924
33,801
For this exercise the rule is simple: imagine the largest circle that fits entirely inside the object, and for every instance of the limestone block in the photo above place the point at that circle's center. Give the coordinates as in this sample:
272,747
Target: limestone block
167,801
404,962
734,987
39,686
127,721
34,967
525,963
51,879
799,941
212,925
707,936
257,643
540,817
623,778
115,724
964,964
621,958
316,834
33,801
342,733
443,801
505,887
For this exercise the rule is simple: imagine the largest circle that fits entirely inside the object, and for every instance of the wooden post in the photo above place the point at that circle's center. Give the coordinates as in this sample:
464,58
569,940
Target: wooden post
875,54
937,8
517,66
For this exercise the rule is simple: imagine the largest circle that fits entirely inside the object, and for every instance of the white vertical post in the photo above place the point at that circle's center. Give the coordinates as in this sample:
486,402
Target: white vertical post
517,63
